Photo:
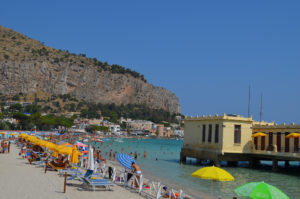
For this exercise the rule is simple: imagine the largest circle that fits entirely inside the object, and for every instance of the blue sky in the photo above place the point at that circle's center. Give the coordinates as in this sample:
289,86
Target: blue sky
206,52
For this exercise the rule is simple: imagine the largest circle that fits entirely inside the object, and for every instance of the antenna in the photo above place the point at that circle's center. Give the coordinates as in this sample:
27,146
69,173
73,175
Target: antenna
261,106
249,98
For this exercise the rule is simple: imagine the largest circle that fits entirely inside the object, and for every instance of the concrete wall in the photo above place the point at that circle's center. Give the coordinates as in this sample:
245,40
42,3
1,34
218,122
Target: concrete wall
228,137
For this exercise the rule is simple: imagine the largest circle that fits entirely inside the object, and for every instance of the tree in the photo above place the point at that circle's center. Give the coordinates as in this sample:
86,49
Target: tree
16,97
32,108
22,118
114,117
16,108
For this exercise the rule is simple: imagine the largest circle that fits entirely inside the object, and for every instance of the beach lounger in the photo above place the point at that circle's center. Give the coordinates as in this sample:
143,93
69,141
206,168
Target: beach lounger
97,182
80,175
70,171
55,167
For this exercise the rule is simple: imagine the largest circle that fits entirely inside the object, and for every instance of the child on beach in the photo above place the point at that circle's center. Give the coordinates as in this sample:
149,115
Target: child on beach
5,148
23,151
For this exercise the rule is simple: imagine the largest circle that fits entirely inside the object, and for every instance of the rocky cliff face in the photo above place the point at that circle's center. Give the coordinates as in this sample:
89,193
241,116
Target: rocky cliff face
59,72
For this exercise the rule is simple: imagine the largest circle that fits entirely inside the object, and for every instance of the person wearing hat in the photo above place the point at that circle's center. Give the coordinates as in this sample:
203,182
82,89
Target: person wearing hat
167,193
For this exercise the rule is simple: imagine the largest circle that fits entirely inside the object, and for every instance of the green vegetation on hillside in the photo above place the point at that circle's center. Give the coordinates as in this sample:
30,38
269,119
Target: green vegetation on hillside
55,106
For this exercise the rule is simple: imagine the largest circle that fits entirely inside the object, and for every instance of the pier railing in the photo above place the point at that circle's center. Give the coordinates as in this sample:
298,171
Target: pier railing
273,149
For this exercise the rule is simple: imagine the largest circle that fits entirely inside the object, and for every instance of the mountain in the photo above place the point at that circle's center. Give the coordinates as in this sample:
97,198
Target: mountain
28,66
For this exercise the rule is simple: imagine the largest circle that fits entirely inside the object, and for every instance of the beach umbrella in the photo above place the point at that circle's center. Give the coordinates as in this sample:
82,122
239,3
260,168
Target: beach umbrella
125,160
260,190
55,154
80,144
74,155
259,134
65,150
293,135
213,173
91,162
67,144
51,146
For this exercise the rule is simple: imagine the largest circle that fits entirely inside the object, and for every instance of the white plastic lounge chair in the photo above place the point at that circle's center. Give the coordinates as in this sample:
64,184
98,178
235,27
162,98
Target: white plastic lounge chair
97,182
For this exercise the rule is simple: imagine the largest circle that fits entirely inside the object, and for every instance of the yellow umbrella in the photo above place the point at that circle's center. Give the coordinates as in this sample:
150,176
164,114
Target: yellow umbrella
43,143
2,133
23,135
293,135
213,173
55,154
13,134
74,155
65,150
51,146
258,135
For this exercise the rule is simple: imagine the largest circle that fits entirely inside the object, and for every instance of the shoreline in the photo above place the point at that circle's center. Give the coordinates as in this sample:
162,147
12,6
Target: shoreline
33,183
149,176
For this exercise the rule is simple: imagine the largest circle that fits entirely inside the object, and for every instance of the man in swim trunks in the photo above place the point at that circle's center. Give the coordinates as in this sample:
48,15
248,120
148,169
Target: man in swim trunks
137,170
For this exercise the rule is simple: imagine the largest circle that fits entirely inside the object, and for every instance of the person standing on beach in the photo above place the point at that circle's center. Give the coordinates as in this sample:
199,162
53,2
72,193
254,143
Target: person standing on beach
98,151
137,170
135,155
2,147
145,155
115,154
5,147
110,154
8,147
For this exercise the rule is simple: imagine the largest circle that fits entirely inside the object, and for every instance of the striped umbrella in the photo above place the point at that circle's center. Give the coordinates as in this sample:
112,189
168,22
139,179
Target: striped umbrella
125,160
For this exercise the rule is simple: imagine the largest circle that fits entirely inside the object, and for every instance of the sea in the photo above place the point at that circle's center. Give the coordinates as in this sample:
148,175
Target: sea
162,163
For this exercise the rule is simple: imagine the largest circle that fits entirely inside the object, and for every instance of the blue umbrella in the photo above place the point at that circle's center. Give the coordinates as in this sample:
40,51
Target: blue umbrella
125,160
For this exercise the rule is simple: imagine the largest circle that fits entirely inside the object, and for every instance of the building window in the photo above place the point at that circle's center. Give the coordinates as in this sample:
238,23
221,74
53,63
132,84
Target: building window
217,133
203,132
237,134
209,132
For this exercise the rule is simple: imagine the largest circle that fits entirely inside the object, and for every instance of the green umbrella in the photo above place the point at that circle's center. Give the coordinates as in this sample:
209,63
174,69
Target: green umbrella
260,190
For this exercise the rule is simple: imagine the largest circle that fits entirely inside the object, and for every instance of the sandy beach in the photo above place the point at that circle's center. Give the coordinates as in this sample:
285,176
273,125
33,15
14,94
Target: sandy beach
18,179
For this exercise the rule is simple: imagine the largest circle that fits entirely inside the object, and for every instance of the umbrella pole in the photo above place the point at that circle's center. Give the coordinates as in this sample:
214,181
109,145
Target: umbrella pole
211,188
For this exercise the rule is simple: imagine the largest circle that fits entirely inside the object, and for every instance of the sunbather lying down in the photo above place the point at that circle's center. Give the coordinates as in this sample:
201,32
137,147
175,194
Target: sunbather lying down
60,163
33,157
37,148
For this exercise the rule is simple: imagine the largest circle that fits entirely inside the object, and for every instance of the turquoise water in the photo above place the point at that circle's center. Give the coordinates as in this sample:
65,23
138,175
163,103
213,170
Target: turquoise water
168,169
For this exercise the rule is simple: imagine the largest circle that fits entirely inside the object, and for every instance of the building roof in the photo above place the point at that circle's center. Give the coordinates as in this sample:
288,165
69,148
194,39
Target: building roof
218,117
